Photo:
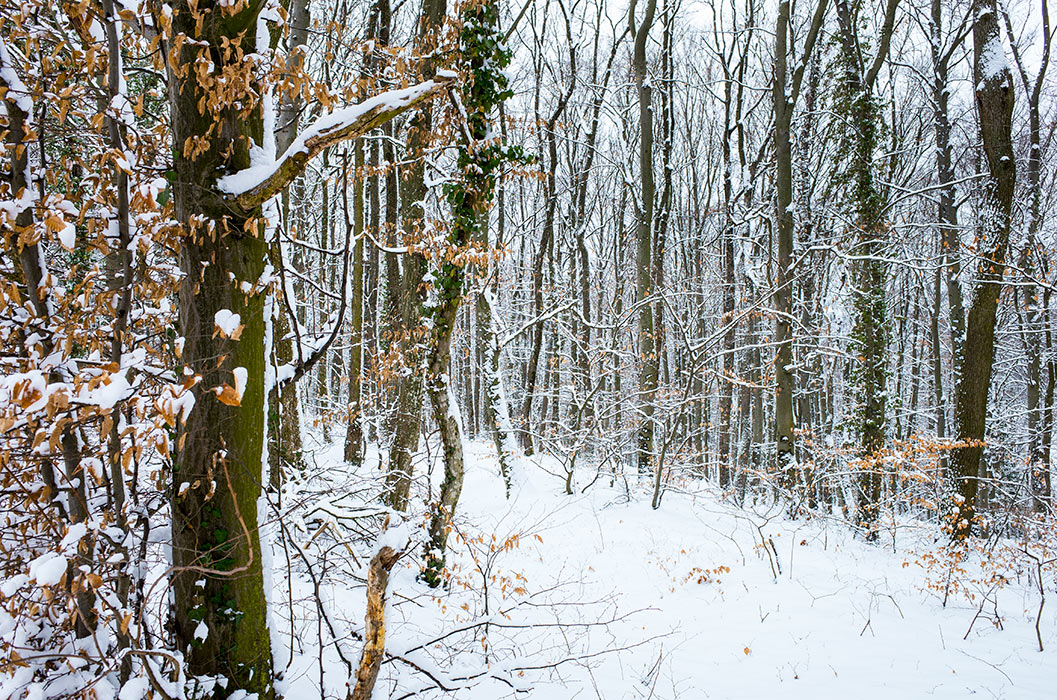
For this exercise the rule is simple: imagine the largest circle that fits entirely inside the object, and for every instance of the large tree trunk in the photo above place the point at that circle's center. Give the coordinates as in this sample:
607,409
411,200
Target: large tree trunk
994,103
217,579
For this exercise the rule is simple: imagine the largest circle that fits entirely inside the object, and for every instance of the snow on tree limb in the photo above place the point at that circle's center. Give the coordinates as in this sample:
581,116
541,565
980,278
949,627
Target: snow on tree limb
257,184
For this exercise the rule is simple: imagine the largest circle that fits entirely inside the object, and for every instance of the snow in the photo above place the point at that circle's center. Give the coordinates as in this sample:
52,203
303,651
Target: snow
106,395
993,63
68,235
17,90
73,535
689,601
284,373
135,688
241,377
226,322
11,585
396,536
176,401
48,569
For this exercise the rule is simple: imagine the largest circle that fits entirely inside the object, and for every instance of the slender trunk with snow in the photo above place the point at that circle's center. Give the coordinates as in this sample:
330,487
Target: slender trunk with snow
354,429
644,268
413,193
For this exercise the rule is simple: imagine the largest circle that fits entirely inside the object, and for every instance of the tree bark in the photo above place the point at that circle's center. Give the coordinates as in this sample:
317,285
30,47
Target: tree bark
408,420
284,406
648,348
947,212
374,623
870,333
217,577
1031,257
994,104
785,92
354,429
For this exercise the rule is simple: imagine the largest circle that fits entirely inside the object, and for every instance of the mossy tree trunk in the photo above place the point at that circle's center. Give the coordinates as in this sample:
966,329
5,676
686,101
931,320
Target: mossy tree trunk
870,332
481,157
219,599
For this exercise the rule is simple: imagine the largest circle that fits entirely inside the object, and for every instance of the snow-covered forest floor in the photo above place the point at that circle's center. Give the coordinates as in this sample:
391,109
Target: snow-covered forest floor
596,595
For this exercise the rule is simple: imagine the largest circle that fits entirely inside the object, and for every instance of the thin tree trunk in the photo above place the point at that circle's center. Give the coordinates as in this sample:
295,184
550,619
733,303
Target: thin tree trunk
284,414
648,348
1038,476
1047,422
785,92
354,431
937,362
33,271
546,244
408,418
726,378
119,265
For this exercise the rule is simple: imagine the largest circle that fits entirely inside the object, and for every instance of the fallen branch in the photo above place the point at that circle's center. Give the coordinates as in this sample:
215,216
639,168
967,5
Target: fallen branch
374,632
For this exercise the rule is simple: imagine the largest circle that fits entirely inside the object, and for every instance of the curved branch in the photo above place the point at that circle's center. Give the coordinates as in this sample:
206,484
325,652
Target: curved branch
252,187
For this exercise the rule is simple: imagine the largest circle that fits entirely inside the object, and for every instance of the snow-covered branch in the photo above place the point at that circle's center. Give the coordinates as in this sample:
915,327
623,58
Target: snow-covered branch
257,184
